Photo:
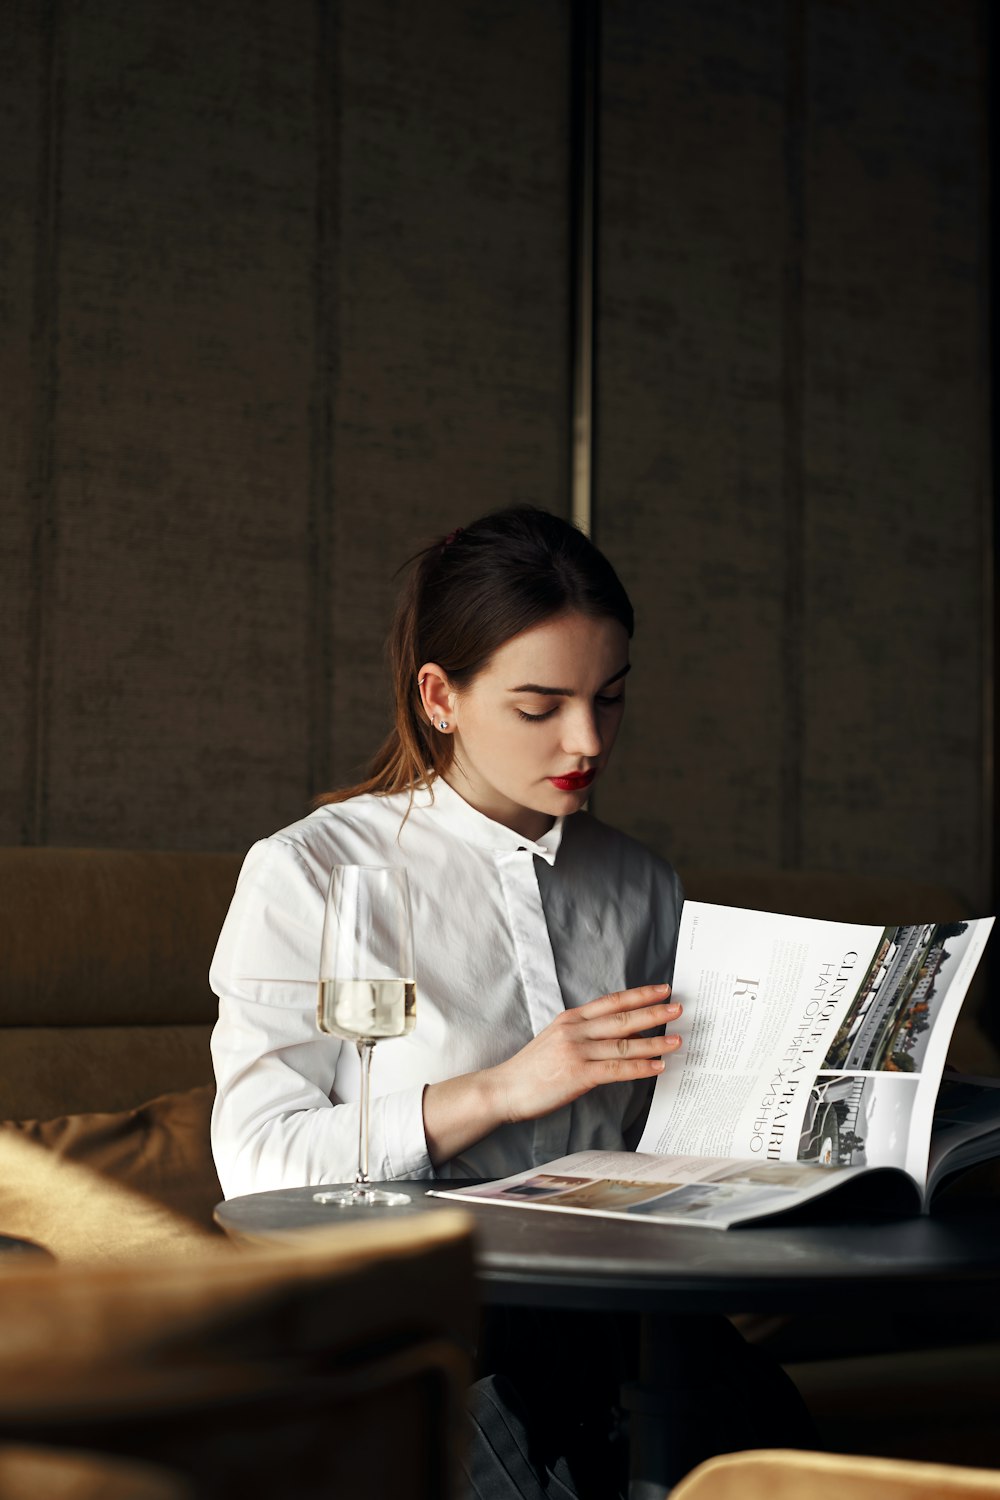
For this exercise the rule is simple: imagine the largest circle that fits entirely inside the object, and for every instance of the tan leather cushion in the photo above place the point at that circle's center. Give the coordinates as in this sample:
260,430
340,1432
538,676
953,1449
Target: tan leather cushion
773,1474
83,1216
28,1473
374,1277
160,1149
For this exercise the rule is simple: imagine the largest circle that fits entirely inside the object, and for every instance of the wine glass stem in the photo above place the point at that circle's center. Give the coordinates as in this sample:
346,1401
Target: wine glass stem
365,1050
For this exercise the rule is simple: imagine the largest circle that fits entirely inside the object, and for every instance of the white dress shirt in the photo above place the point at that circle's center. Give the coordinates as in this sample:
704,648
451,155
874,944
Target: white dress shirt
508,932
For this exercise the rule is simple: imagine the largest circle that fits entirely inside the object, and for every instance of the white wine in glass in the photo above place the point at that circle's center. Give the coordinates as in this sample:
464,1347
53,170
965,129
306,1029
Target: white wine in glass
371,1010
367,992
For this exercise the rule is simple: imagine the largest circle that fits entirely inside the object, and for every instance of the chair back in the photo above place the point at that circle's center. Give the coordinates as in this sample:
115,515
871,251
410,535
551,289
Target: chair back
336,1365
774,1474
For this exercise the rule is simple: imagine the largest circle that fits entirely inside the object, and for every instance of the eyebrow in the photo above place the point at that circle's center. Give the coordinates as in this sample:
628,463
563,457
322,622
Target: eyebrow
554,692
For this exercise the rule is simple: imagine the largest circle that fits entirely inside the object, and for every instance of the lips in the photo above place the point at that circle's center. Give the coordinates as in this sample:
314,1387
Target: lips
575,782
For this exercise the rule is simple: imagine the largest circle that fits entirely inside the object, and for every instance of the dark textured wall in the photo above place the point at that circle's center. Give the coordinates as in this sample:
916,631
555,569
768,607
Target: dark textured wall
449,313
794,458
285,292
284,296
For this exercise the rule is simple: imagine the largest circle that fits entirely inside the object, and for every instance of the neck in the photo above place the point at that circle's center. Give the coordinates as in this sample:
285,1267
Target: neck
521,820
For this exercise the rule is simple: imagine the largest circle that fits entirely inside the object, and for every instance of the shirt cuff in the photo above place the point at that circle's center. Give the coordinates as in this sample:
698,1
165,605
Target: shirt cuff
406,1151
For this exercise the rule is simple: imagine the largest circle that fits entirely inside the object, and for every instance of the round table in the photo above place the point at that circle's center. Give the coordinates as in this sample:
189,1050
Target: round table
531,1257
527,1256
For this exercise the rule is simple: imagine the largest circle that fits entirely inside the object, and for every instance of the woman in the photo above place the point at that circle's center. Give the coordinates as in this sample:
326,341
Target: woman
509,654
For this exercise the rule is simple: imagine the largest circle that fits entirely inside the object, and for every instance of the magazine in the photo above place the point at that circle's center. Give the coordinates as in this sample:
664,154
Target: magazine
812,1056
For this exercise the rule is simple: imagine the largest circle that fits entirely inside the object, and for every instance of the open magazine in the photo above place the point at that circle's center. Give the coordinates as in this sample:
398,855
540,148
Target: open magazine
812,1053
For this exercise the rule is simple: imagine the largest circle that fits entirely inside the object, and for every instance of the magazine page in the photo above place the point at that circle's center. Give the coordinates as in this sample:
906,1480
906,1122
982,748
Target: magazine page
658,1189
966,1124
810,1041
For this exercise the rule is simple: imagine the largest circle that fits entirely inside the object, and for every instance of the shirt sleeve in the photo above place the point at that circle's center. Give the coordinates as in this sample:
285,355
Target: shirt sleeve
277,1121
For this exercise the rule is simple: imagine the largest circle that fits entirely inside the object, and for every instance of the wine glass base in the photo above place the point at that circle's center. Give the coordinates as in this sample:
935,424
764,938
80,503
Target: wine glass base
361,1196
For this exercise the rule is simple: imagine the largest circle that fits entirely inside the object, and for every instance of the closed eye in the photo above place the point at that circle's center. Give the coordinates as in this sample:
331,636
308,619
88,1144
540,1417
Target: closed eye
602,699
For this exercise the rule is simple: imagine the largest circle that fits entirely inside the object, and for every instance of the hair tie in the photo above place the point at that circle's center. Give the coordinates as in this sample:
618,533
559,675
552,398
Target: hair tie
451,537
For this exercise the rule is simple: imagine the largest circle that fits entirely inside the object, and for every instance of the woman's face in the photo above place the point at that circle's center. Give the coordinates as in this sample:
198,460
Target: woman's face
536,727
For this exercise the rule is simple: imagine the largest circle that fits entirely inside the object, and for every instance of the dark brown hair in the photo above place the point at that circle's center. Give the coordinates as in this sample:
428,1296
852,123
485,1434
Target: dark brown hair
462,600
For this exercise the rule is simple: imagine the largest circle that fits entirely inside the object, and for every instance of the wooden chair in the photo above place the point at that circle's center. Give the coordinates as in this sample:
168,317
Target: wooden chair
780,1475
337,1365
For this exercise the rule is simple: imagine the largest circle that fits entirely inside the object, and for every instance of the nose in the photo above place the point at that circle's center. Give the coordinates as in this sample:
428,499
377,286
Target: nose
581,735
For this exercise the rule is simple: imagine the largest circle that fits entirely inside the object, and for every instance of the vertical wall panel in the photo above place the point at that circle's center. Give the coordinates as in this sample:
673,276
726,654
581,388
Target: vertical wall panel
26,230
689,496
896,442
452,388
180,450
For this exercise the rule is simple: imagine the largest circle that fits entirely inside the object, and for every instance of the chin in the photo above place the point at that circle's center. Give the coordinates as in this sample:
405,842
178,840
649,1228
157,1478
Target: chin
548,801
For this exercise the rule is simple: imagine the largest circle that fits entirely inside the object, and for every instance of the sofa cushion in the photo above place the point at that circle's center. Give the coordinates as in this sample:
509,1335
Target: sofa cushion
160,1149
110,937
63,1070
104,1000
81,1215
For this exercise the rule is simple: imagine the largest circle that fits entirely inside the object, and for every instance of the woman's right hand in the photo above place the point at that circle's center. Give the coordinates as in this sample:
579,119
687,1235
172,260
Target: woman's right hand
583,1048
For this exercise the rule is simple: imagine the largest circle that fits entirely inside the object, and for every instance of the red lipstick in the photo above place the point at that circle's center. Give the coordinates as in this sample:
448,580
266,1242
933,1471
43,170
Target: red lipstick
574,782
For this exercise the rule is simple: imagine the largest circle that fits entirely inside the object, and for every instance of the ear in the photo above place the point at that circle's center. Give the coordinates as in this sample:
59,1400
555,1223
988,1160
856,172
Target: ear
437,696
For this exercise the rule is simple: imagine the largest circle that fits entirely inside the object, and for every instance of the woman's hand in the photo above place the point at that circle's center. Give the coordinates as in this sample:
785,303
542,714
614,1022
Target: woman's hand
596,1043
584,1047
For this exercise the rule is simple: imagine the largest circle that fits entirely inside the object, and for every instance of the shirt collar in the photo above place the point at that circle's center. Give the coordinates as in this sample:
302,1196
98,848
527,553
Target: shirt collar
466,822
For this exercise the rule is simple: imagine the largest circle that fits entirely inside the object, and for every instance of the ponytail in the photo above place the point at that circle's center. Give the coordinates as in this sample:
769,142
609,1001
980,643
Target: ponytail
411,755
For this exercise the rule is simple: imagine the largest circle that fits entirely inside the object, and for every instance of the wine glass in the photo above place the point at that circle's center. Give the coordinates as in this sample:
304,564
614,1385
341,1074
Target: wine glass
366,988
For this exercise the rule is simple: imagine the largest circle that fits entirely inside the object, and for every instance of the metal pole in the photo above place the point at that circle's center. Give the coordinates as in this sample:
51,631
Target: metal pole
584,85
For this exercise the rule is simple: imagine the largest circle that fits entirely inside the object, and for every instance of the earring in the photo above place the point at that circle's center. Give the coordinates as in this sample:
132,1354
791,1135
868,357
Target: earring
443,724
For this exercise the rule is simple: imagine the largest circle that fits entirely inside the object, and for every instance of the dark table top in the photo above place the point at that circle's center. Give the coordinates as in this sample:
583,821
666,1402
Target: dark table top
528,1257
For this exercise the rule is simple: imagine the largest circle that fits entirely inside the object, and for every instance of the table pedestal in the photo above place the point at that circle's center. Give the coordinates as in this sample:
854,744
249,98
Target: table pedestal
657,1432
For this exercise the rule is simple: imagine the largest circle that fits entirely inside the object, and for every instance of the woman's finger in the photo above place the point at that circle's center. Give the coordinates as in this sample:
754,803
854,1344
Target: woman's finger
633,1047
626,1023
621,1069
623,1001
